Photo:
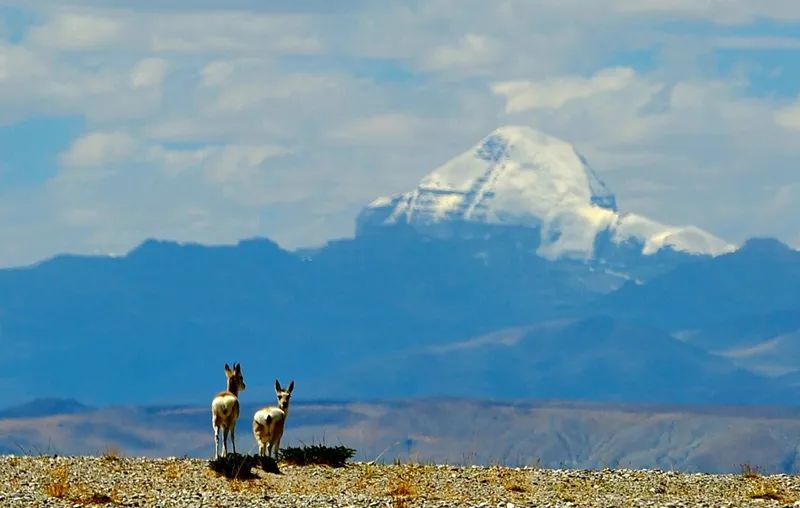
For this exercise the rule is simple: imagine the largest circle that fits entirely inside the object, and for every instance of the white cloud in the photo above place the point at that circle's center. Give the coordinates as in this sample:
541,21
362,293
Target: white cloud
231,32
554,93
234,163
75,32
18,64
173,161
75,28
99,149
729,12
388,129
757,43
183,129
789,117
81,217
35,82
148,72
245,84
217,72
471,51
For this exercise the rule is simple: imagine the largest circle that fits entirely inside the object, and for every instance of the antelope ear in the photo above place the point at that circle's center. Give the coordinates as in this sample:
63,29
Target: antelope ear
228,370
238,368
291,387
278,386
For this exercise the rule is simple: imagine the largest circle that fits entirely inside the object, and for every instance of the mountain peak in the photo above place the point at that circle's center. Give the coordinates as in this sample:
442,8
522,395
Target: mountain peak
518,176
515,134
765,245
771,247
514,176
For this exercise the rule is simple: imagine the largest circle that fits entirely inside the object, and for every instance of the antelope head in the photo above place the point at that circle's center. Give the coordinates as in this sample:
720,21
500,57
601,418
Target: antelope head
235,378
284,395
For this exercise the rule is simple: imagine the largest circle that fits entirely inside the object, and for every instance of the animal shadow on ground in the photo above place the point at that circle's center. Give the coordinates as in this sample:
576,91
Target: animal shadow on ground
235,466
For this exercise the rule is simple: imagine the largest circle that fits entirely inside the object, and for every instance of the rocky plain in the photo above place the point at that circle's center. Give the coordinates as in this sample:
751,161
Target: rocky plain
112,480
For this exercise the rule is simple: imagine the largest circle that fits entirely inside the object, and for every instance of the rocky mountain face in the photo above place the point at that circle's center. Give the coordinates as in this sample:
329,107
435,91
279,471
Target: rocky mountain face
509,272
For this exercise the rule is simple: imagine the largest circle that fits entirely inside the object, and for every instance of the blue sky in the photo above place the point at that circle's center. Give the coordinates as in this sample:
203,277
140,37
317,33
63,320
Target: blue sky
213,121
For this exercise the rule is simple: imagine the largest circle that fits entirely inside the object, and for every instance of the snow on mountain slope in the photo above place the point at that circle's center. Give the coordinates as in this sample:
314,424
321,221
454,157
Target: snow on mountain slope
518,176
654,236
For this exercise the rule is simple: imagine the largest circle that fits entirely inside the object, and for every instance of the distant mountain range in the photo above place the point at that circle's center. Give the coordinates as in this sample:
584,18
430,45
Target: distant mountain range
508,273
444,431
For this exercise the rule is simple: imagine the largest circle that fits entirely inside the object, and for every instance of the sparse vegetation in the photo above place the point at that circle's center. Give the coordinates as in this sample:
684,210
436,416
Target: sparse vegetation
401,489
513,486
750,471
111,453
370,475
399,502
334,456
92,498
171,472
401,486
511,480
765,489
58,485
35,450
244,486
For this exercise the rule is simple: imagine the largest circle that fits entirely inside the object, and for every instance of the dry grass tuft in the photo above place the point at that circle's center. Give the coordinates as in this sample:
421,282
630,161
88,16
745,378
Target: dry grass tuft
766,489
750,471
58,486
512,481
399,502
567,498
401,488
243,486
566,490
172,471
96,498
368,477
88,497
111,454
514,486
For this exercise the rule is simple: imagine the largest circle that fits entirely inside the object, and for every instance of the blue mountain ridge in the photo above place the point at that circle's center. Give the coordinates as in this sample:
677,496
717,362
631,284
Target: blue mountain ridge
396,313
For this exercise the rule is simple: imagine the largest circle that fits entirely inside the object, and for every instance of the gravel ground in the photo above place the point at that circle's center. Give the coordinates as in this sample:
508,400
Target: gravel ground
113,481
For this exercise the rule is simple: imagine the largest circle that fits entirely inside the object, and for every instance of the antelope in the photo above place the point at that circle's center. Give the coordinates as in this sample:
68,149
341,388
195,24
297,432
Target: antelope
268,422
225,409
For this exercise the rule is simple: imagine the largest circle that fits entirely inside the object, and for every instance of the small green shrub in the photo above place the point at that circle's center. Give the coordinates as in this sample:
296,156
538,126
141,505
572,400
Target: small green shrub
334,456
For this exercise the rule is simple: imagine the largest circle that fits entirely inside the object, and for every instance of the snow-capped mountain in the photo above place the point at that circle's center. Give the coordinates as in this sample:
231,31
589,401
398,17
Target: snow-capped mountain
517,176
